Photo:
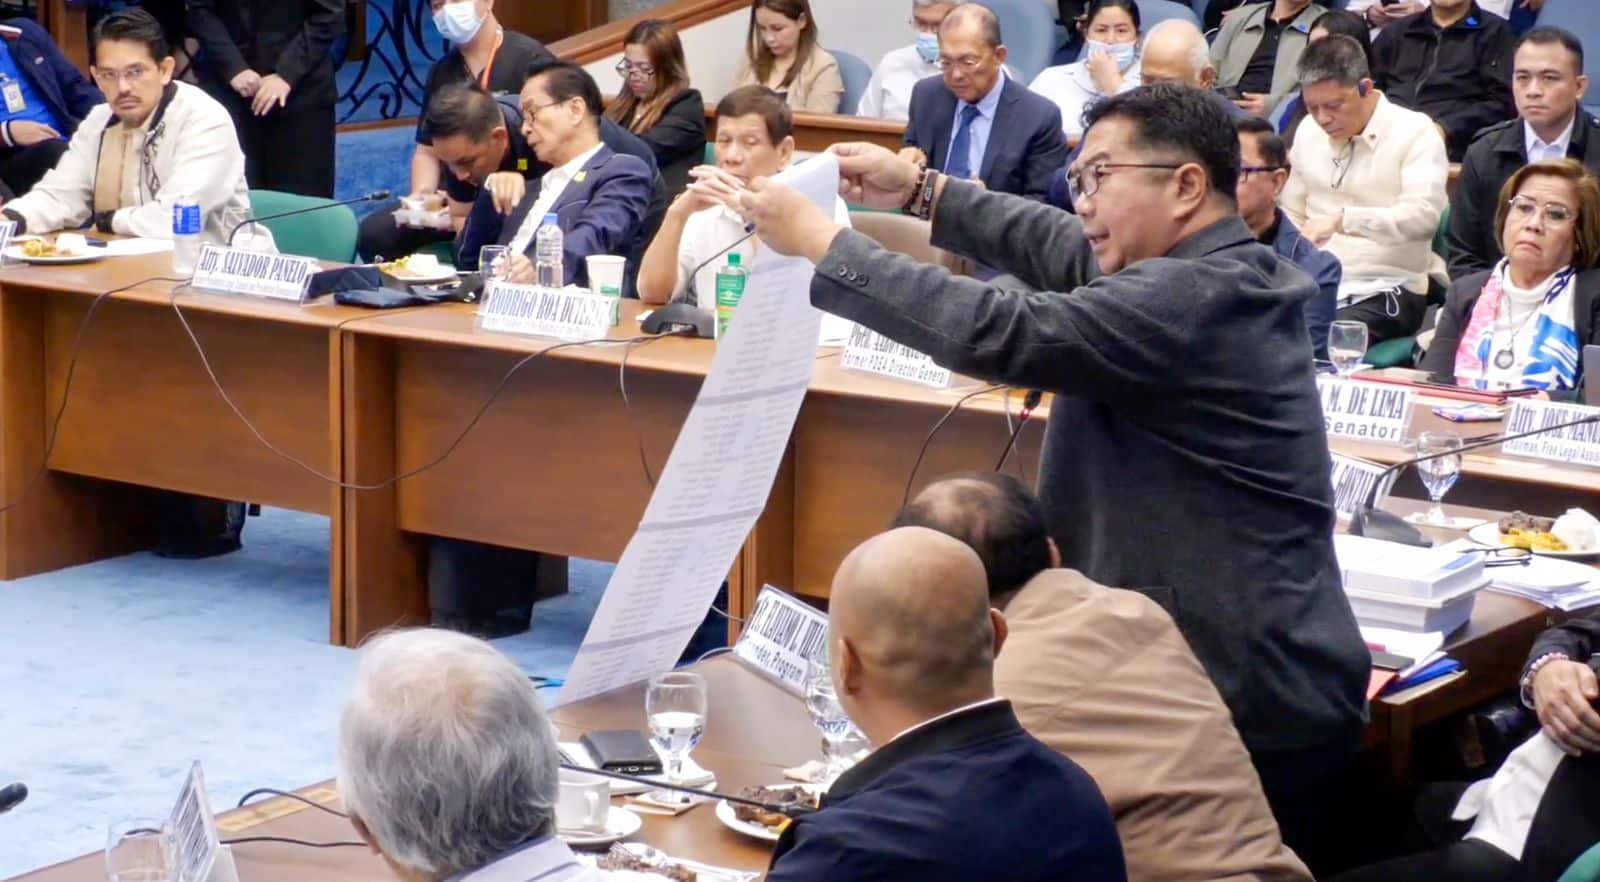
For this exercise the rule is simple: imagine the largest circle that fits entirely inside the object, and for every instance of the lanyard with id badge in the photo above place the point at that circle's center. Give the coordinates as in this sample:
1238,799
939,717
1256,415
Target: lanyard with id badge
13,94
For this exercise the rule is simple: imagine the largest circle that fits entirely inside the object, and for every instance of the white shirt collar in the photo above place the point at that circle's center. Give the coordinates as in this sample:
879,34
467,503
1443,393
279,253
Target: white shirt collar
569,170
537,859
987,104
1532,141
946,715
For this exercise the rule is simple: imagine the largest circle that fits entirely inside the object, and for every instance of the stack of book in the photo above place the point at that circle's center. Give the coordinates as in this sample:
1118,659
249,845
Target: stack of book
1391,585
1557,584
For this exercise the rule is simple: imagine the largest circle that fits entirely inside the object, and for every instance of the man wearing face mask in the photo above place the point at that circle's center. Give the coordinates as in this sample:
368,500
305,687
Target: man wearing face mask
888,95
484,53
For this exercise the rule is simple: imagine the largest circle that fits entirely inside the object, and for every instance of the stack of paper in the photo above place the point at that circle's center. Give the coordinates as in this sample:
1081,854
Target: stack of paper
1558,584
1414,589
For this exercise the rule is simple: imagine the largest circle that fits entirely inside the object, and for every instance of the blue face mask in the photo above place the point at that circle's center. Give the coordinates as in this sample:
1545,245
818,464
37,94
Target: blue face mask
1122,53
928,47
458,22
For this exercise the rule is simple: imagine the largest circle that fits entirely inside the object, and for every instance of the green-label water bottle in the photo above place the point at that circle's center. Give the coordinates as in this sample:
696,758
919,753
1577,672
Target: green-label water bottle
730,290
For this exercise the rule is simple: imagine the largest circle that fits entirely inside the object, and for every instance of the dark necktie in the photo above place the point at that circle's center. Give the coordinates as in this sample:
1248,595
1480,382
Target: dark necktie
959,163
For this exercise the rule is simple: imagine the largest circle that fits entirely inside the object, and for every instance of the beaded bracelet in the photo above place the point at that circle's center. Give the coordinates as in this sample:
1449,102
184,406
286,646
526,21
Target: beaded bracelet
1533,671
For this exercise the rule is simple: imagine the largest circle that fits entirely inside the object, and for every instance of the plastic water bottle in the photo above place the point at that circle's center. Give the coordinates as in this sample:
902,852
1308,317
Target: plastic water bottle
185,236
548,246
730,290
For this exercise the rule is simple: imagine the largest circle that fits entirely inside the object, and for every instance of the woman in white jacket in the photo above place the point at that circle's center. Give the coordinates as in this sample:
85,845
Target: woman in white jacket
155,142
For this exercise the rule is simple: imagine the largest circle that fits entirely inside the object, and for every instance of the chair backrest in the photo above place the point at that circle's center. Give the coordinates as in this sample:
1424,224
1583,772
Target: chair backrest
1154,12
1585,869
1578,16
1029,32
856,74
328,234
906,235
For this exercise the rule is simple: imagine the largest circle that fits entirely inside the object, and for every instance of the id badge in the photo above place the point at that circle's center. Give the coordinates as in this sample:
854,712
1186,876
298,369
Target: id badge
13,93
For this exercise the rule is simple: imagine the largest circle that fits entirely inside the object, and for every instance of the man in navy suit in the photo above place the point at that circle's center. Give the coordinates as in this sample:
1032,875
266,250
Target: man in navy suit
45,99
956,789
600,197
975,122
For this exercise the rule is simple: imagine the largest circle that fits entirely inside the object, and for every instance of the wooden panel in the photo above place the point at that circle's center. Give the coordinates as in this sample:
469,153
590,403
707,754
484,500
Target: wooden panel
550,21
143,410
68,24
815,132
606,39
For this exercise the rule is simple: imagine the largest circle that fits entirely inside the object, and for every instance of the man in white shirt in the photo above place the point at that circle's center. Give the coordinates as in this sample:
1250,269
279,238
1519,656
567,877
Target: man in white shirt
888,94
448,765
154,142
1548,84
754,139
1368,185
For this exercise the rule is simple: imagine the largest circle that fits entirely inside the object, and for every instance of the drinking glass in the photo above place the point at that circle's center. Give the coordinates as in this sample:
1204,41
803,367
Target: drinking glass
1438,475
494,262
141,850
675,704
1347,345
828,715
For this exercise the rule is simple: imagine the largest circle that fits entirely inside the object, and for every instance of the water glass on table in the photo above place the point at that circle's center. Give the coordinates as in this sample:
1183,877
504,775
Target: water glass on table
828,715
141,850
675,705
1438,474
494,263
1347,345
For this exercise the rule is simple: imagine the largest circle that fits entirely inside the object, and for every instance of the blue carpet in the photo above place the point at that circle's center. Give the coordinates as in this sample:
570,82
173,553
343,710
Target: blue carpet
371,160
118,674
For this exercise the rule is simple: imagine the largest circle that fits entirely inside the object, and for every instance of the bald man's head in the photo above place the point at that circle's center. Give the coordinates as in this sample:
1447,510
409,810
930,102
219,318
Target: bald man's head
994,514
1176,52
910,625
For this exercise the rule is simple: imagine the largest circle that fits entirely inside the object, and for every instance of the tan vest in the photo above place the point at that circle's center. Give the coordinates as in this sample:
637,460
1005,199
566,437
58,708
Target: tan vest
1103,676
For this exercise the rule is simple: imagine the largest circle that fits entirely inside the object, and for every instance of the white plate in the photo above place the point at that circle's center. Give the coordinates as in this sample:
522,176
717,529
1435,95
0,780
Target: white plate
726,816
15,253
1489,534
620,824
443,275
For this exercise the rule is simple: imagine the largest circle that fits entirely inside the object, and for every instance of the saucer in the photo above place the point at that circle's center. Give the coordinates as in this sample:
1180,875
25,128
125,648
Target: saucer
620,824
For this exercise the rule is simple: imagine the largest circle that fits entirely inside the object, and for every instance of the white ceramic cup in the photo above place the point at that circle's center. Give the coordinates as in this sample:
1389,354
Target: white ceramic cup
584,803
605,274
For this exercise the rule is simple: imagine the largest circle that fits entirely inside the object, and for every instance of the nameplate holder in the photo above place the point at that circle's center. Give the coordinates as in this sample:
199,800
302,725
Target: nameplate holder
7,230
1353,480
235,271
199,851
569,313
1574,445
868,351
1375,412
780,637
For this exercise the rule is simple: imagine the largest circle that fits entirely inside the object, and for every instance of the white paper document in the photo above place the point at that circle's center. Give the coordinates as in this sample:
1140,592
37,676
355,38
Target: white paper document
136,247
716,482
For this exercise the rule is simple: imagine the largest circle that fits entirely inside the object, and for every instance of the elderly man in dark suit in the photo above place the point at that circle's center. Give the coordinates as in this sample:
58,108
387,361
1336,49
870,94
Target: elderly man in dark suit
1180,461
975,122
601,197
956,789
51,97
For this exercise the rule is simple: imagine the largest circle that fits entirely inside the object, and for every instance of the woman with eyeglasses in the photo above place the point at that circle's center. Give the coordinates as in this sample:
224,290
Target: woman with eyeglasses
656,102
1110,64
782,53
1525,322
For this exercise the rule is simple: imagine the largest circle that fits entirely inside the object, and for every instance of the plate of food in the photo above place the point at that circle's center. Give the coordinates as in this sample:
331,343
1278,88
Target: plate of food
638,857
418,269
760,823
64,248
1575,534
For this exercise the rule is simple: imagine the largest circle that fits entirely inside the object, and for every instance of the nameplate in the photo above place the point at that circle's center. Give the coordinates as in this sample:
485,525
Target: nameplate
1353,480
869,351
194,829
1374,412
233,271
781,635
1574,445
564,313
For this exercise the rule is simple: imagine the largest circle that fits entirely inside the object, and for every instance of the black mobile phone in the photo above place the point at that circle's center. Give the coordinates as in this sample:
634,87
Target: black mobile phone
622,750
1388,661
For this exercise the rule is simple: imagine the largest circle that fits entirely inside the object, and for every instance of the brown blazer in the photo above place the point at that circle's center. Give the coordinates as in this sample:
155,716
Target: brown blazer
817,88
1103,676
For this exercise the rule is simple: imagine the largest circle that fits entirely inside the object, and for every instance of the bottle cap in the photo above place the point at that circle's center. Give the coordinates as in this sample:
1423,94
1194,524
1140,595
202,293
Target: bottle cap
733,260
551,218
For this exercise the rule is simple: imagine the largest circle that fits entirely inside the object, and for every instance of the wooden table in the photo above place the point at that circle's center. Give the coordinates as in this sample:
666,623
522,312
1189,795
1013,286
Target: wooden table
142,412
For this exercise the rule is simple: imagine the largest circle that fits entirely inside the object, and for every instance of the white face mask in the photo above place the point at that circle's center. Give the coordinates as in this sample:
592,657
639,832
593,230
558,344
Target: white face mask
1122,53
458,21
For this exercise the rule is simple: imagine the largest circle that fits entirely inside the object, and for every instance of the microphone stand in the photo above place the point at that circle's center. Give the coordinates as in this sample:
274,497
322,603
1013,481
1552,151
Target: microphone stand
792,811
1374,523
370,197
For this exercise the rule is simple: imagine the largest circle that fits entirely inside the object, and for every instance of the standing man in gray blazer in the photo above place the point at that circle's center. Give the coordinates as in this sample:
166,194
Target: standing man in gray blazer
1185,456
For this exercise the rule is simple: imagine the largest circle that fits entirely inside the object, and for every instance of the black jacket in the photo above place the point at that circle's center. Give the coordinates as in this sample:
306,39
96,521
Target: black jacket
1463,296
1491,161
678,139
291,38
1026,145
1461,76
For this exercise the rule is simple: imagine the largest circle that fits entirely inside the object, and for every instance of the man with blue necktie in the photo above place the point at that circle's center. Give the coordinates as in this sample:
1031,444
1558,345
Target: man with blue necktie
976,123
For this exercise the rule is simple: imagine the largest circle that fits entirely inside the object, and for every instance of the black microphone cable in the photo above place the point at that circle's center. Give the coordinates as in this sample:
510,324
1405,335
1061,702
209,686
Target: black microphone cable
917,463
1029,403
376,196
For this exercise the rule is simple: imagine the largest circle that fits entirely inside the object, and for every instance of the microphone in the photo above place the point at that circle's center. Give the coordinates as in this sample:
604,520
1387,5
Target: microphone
791,811
12,796
1369,521
375,196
